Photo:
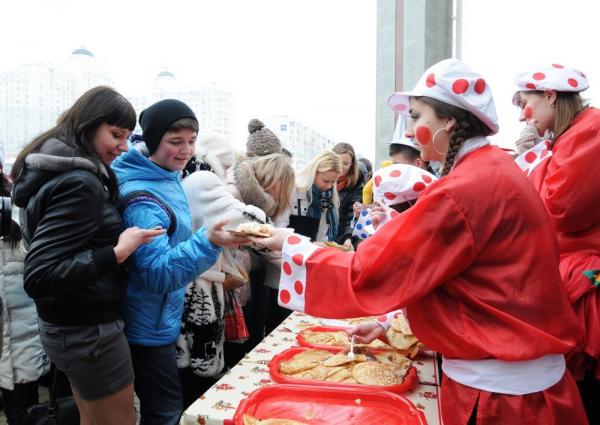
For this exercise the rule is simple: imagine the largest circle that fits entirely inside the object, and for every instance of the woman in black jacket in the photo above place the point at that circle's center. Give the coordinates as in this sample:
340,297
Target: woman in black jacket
76,247
350,186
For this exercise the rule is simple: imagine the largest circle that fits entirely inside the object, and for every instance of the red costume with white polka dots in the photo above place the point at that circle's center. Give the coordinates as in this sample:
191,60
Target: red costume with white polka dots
569,184
465,262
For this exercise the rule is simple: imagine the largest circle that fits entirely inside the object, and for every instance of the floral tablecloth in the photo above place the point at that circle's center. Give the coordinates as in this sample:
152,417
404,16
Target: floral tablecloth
221,401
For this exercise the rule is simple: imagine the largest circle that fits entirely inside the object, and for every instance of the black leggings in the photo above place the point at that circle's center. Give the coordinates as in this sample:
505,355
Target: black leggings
589,389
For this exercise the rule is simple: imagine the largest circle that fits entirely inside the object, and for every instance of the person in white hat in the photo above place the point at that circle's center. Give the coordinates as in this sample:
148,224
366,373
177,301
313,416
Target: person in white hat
404,150
463,261
396,189
562,170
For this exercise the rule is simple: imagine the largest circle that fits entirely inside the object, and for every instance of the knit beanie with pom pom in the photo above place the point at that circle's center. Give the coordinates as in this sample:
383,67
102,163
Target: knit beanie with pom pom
261,140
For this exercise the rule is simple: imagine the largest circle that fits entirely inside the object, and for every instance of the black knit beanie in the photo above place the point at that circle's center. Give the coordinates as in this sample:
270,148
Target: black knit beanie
156,119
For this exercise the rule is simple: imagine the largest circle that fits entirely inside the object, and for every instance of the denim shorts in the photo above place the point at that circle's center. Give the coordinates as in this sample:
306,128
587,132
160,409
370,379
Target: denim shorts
95,358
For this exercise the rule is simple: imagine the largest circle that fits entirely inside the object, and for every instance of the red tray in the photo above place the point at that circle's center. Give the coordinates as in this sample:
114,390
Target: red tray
335,348
409,380
328,405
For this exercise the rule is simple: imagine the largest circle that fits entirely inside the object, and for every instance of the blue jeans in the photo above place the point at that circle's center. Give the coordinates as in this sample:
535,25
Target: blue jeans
157,384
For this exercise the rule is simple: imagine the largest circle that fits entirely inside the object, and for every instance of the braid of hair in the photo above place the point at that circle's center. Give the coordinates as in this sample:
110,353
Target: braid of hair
467,126
461,132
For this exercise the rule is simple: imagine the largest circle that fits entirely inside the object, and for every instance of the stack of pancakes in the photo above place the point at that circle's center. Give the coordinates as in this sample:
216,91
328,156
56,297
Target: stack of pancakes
385,368
337,338
401,337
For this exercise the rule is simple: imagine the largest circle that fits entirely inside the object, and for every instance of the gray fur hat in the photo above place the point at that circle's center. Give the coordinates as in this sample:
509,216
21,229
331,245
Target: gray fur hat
261,140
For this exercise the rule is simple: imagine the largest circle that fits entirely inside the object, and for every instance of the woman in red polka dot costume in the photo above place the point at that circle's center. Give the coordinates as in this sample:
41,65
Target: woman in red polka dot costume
464,261
549,100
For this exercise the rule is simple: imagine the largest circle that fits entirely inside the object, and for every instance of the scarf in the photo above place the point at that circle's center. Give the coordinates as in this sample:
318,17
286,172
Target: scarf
342,182
323,201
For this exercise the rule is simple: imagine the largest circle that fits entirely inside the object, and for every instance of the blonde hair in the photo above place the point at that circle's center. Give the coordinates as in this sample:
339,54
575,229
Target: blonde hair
354,171
324,162
272,169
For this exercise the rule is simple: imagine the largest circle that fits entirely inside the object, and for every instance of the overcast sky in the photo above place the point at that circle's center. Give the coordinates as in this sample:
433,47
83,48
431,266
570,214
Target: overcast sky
312,59
503,38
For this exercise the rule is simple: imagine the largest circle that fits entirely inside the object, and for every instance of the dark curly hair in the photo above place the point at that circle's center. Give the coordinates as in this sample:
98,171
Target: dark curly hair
467,126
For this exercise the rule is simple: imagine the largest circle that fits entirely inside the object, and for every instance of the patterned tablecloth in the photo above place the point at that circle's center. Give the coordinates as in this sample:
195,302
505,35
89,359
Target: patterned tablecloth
221,401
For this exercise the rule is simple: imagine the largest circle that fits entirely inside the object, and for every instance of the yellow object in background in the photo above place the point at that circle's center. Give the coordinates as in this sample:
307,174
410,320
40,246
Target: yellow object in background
367,195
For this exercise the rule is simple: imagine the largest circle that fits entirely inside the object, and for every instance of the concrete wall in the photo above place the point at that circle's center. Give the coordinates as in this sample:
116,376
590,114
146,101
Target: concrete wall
387,71
411,36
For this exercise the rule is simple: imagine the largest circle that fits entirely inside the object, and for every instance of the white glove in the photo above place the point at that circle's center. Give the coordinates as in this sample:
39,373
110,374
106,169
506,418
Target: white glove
528,138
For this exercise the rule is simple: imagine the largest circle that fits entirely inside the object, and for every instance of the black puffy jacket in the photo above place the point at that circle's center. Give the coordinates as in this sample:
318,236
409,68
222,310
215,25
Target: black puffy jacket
70,223
348,196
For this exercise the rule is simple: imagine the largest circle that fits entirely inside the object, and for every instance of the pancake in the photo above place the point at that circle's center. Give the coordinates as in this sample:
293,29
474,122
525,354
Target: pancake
400,324
392,358
304,360
337,338
400,341
253,228
374,373
318,373
342,358
377,343
338,374
399,363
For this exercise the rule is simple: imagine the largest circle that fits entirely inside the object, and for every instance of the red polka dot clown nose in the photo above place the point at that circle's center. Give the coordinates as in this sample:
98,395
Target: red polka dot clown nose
453,82
550,77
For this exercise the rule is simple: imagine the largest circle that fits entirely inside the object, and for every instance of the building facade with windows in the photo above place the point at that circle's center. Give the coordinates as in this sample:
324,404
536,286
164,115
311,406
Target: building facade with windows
302,141
211,103
33,96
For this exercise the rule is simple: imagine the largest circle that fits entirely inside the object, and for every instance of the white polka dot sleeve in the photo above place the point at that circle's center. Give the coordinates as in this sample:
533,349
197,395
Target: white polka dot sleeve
530,159
385,320
292,284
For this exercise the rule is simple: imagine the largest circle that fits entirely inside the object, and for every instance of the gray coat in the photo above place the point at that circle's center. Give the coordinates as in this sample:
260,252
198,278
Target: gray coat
23,358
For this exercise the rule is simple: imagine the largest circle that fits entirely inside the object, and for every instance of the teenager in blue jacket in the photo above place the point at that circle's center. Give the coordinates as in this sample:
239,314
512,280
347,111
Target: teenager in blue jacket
152,197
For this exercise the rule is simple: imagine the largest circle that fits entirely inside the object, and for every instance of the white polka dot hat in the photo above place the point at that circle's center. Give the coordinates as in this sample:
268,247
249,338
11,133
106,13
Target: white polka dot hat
550,77
400,183
453,82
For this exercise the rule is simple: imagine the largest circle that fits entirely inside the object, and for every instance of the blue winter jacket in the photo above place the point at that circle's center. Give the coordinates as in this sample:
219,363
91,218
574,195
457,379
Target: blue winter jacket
160,270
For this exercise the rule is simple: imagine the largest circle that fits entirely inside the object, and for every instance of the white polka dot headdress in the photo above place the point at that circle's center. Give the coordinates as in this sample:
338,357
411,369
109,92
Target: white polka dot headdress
399,183
550,77
400,139
453,82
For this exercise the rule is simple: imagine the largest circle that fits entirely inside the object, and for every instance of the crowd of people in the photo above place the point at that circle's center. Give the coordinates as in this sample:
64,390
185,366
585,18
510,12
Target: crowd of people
120,269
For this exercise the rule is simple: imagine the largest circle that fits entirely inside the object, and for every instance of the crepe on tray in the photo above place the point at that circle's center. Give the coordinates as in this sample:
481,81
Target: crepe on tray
338,338
401,338
386,368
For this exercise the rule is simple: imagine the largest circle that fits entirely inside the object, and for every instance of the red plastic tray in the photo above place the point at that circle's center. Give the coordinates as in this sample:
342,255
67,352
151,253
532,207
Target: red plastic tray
328,405
409,380
336,348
